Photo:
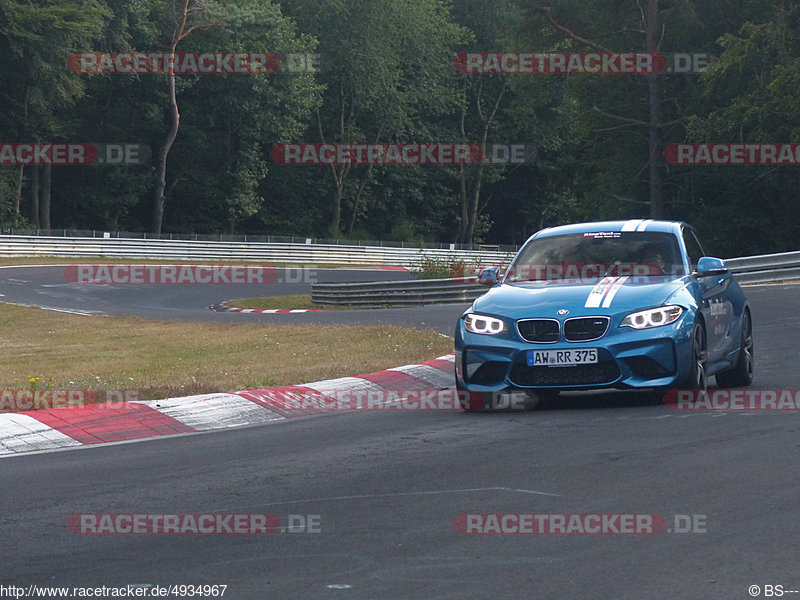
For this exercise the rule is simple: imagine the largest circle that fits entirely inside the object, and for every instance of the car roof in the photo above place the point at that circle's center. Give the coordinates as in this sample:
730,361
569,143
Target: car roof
673,227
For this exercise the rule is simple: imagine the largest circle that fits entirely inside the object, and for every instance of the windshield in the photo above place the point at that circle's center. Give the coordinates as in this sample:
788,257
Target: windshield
594,255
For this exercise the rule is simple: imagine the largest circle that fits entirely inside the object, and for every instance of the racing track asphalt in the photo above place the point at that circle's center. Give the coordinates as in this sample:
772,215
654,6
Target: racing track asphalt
46,286
387,486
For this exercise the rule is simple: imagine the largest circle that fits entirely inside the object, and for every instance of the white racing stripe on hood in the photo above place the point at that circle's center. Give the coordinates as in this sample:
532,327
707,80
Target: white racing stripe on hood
599,291
604,291
613,290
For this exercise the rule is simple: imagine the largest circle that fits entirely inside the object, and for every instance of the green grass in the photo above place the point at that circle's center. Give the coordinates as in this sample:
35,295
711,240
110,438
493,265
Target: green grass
157,359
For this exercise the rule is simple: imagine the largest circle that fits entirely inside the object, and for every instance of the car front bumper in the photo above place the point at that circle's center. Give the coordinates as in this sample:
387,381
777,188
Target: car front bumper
627,358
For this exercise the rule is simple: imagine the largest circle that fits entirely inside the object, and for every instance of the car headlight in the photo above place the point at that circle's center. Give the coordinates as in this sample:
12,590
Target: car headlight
654,317
484,325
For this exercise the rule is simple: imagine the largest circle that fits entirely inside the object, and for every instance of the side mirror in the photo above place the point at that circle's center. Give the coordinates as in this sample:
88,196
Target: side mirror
489,276
708,265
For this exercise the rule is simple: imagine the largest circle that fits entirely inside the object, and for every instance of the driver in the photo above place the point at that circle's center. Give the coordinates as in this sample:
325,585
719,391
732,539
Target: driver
653,258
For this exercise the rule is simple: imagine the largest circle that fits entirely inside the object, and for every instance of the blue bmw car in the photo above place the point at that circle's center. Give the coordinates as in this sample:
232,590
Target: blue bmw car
615,304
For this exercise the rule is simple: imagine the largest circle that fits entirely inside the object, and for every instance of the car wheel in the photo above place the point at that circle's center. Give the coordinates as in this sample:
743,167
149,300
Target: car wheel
742,373
697,379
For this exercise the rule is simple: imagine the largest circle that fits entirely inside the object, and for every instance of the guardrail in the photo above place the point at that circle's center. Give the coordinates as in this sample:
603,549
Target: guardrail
749,270
246,238
307,253
397,293
766,268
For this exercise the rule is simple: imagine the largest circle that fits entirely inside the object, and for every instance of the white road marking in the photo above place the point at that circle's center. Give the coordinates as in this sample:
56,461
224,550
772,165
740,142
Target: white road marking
85,313
418,493
20,433
213,411
29,266
344,384
432,375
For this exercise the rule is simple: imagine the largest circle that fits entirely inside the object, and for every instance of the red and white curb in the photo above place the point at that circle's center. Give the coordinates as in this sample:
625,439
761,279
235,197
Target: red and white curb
55,428
270,311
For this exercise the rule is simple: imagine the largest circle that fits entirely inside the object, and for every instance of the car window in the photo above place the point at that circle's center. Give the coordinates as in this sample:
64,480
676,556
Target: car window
693,248
703,247
596,254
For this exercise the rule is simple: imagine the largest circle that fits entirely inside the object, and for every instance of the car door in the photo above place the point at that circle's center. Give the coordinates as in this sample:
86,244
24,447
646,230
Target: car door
715,303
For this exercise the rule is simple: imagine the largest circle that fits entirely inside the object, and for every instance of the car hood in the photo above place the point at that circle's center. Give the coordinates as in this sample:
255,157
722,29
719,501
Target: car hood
545,298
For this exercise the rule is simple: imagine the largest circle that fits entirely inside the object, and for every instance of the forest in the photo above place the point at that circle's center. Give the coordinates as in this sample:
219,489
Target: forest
557,106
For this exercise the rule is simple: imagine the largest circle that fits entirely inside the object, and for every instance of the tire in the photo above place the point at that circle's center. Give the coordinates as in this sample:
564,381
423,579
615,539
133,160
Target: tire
742,373
697,379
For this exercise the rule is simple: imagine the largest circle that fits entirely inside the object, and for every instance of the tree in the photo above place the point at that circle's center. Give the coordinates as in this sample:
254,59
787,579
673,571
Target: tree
750,96
652,25
233,121
35,41
201,19
507,201
387,73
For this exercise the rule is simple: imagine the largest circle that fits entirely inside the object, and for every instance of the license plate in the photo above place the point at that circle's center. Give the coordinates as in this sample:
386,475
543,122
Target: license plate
562,358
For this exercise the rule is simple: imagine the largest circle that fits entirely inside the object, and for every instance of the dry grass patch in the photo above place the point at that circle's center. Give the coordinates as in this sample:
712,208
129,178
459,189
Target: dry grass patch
159,359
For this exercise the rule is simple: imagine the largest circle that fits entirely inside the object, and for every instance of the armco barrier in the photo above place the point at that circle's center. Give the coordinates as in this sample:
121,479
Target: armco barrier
766,268
751,269
397,293
317,254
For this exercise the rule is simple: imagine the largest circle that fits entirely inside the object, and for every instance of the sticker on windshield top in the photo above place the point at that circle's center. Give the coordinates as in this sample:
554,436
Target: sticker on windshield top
603,234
